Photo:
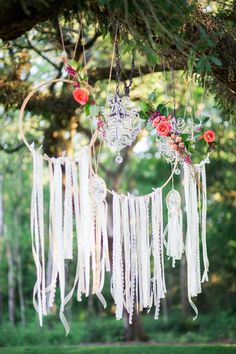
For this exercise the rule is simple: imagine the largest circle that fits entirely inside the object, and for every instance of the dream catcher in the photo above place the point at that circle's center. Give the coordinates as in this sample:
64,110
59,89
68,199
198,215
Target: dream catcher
120,117
78,210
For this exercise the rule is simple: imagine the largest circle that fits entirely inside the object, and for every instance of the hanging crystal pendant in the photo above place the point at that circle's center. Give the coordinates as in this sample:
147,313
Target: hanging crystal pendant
122,123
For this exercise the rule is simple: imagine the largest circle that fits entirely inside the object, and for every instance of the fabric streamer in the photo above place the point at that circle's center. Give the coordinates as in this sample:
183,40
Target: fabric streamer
135,285
78,208
192,236
71,203
37,234
175,244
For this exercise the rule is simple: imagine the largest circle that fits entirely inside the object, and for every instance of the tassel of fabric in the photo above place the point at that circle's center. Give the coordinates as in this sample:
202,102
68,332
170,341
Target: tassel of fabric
79,270
102,262
134,295
175,244
127,254
58,229
68,212
143,252
51,288
37,234
203,222
192,237
159,287
85,221
117,267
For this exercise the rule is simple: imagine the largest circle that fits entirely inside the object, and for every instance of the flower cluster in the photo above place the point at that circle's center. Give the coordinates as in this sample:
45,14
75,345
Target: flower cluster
178,140
80,94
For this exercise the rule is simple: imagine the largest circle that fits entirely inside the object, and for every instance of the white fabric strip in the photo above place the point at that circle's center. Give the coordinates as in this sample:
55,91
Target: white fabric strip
117,268
68,212
192,237
203,222
85,218
37,234
159,287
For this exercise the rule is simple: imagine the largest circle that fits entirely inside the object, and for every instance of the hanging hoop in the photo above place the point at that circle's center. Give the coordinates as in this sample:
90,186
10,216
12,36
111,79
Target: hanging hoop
26,101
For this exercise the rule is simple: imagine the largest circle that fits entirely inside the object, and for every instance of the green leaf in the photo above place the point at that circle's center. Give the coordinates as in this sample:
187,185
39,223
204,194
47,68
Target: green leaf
143,115
185,137
94,110
215,60
162,109
74,64
87,109
144,106
153,95
205,120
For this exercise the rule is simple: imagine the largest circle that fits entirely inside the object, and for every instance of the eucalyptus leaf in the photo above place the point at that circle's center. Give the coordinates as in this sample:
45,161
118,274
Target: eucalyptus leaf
94,110
153,95
215,61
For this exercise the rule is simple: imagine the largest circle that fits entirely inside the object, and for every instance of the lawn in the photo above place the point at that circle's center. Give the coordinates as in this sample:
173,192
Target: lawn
124,349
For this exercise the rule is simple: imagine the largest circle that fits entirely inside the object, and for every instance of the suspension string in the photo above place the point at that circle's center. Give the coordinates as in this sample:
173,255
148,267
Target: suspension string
165,82
174,120
83,46
118,68
112,60
193,111
77,42
62,40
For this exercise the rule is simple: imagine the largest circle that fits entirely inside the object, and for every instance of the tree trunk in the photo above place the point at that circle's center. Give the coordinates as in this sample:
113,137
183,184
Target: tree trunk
11,285
183,286
1,241
135,330
19,277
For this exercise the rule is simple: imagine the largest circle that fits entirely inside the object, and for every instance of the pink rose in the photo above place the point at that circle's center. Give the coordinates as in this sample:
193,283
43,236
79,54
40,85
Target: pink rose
209,136
164,128
81,95
155,122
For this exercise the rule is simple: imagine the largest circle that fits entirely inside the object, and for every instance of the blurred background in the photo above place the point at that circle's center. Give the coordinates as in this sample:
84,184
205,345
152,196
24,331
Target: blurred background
56,122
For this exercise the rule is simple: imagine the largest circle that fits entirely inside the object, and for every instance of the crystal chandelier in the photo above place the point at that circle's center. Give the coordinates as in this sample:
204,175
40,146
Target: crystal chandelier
122,120
122,123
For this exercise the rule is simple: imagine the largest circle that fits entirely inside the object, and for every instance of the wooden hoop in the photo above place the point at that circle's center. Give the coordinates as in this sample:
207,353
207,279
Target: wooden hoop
26,101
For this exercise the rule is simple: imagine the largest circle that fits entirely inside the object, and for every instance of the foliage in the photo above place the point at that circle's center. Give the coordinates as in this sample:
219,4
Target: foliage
125,349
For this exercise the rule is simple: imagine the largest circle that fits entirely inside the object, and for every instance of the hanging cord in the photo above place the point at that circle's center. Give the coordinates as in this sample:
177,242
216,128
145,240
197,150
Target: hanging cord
165,83
174,120
118,66
84,53
127,85
77,42
62,42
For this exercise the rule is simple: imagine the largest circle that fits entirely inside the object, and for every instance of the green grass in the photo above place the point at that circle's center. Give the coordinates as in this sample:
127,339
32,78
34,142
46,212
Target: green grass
124,349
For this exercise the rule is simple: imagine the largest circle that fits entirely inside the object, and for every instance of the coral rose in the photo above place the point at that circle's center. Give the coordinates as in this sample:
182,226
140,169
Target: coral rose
81,95
155,122
209,136
164,128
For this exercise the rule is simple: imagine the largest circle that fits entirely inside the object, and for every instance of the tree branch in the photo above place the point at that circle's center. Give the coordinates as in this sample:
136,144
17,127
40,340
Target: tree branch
11,150
41,54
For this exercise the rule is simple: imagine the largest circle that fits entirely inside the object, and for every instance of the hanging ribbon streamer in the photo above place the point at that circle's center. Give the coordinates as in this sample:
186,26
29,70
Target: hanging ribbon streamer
37,234
134,285
192,237
175,244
